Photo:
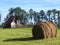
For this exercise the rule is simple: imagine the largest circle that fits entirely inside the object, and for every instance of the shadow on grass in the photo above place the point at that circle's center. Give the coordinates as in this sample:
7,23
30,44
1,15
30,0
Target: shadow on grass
21,39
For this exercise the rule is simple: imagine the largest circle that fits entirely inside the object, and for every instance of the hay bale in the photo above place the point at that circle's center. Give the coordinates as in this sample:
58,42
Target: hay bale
43,30
53,28
47,30
37,32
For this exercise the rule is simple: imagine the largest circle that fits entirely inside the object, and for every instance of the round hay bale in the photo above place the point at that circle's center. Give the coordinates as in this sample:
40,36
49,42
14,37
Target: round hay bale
43,30
47,30
39,33
53,28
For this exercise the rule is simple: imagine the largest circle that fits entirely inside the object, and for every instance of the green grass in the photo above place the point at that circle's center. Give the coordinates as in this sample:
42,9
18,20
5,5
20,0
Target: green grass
23,36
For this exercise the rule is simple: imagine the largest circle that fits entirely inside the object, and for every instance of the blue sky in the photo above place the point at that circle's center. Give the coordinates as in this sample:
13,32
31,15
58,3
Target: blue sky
36,5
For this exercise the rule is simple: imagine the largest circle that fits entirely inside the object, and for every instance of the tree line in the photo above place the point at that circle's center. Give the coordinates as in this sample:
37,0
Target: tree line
34,16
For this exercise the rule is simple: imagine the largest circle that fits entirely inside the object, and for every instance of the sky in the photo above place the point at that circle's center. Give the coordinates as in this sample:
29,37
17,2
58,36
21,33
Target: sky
36,5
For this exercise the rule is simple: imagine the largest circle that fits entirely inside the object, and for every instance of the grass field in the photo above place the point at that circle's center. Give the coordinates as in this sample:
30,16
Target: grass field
23,36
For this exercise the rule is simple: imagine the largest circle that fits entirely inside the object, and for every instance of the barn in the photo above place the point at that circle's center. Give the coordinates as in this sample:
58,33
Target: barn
10,20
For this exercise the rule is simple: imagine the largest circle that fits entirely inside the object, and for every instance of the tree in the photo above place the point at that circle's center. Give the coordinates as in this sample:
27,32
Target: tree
42,13
58,12
31,13
35,17
0,16
11,11
38,17
54,12
49,13
17,11
25,19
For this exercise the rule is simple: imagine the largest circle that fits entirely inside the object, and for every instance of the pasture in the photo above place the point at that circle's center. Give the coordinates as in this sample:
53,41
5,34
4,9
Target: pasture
23,36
